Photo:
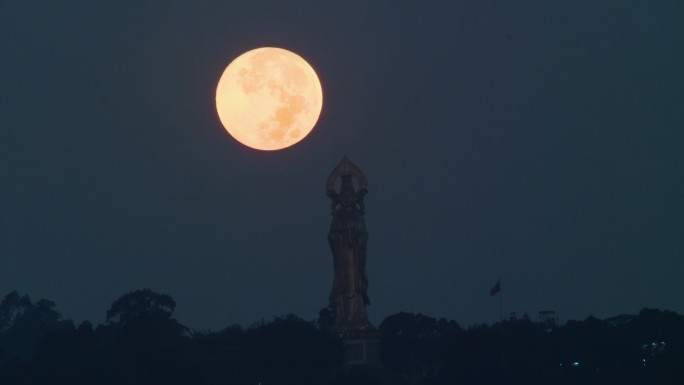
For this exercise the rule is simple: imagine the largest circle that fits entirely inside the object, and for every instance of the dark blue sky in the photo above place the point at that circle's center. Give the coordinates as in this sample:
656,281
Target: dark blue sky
540,142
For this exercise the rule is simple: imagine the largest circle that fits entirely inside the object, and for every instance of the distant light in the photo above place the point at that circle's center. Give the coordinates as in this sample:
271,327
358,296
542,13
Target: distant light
654,348
575,364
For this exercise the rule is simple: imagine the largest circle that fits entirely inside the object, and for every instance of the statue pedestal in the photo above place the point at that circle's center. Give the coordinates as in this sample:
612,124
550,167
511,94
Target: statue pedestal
361,347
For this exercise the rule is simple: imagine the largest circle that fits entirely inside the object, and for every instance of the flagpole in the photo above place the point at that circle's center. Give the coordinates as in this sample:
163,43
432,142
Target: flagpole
497,290
501,306
503,361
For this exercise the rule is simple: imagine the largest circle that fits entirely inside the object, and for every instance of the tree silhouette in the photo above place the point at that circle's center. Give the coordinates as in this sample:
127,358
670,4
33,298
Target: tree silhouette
326,318
290,350
146,343
23,324
141,343
141,304
412,343
12,308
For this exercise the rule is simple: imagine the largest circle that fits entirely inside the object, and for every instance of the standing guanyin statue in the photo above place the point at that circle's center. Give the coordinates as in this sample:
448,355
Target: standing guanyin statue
348,238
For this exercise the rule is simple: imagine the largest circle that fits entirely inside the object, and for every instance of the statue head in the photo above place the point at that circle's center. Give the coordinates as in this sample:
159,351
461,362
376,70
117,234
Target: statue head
348,198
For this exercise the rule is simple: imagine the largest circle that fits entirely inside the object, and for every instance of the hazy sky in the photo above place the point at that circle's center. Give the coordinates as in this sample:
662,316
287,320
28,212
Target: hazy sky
536,141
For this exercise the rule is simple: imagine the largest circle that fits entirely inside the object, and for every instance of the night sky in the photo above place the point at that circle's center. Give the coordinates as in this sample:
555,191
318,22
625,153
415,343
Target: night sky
541,143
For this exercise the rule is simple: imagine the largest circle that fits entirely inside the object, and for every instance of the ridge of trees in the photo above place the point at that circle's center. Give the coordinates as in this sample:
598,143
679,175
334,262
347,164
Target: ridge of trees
142,343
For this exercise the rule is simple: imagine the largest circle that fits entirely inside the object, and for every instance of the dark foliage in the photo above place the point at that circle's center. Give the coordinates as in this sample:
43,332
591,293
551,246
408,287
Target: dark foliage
642,349
23,324
141,343
141,304
326,318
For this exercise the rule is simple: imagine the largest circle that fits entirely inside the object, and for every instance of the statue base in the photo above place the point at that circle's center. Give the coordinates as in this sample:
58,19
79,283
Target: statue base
361,346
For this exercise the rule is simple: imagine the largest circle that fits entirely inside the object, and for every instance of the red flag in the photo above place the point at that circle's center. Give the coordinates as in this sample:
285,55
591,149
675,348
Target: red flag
495,289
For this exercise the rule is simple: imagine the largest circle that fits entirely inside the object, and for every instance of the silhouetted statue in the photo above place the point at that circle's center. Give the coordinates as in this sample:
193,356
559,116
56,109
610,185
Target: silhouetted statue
347,239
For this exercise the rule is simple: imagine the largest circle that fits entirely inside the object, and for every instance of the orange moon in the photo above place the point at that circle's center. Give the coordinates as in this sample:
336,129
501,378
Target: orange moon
269,98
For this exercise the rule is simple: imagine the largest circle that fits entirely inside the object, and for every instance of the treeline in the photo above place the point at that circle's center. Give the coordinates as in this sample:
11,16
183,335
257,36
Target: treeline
141,343
647,348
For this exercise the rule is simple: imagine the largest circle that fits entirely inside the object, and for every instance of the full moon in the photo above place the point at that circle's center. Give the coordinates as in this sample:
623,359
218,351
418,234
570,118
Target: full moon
269,98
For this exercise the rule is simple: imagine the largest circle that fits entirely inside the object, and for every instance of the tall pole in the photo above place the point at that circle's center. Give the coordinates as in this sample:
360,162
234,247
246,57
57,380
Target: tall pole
503,361
494,291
